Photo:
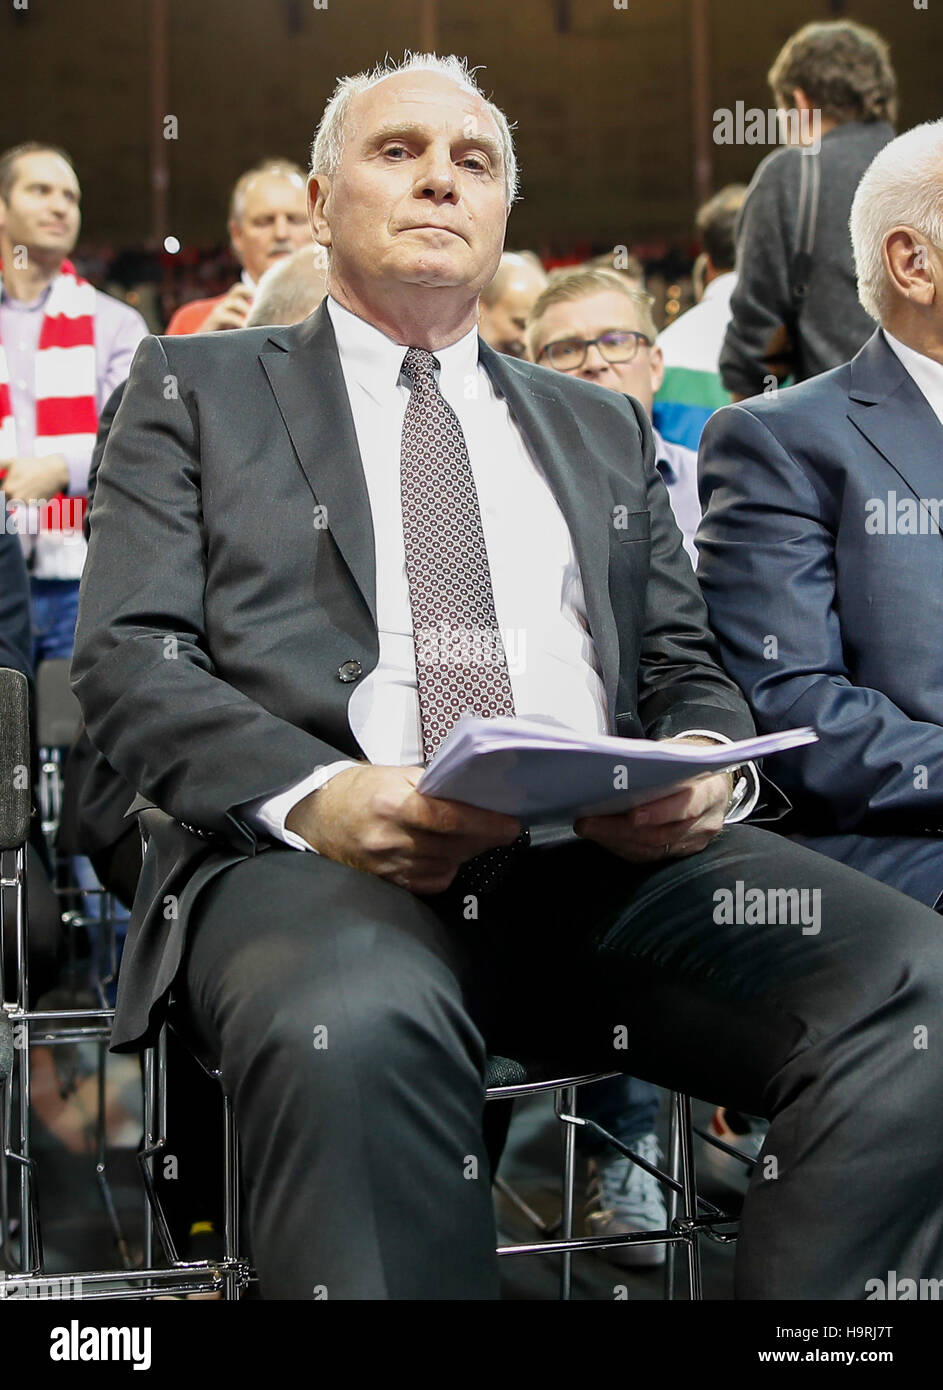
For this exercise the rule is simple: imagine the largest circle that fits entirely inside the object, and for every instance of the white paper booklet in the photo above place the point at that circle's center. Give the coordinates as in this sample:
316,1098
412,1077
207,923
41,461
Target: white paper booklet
544,774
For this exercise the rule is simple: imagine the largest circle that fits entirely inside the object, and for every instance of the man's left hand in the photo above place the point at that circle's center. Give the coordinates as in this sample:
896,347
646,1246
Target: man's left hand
674,826
35,480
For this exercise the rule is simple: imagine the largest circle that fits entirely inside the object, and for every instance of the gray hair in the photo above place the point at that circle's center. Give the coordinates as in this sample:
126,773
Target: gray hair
329,138
291,289
902,186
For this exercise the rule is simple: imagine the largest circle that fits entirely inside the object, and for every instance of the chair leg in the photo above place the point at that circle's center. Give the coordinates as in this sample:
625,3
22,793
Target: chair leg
674,1171
230,1197
689,1184
155,1141
101,1162
566,1104
30,1258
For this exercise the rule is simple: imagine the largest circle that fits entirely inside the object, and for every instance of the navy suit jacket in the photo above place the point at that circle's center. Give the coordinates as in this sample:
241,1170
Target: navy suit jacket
828,608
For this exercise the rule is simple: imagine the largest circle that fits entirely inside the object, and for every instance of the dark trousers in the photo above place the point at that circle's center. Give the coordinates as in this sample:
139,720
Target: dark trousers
352,1021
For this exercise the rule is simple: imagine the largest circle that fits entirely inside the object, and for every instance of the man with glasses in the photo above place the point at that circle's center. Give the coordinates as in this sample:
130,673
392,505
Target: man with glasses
592,324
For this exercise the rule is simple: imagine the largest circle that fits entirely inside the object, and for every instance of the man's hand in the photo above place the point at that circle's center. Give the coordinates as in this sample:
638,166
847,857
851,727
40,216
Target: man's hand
372,818
230,312
34,480
674,826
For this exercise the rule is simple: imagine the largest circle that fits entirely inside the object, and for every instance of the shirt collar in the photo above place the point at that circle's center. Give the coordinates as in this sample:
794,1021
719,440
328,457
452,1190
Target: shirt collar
662,461
925,372
374,361
721,287
20,304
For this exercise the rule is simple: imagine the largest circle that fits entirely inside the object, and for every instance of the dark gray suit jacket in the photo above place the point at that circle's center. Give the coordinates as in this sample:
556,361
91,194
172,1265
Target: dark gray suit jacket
220,620
828,618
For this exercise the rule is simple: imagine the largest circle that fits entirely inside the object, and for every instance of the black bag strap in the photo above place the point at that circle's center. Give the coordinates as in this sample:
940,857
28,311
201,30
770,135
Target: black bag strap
810,184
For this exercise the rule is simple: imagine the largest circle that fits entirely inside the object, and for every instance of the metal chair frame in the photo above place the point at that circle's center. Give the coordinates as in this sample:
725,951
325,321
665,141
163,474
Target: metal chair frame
686,1223
28,1277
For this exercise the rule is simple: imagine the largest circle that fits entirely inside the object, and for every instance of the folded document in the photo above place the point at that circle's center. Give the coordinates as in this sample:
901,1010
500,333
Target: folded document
544,774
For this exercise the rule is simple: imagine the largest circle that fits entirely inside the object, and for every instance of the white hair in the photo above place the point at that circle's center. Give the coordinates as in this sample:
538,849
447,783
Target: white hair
902,186
329,138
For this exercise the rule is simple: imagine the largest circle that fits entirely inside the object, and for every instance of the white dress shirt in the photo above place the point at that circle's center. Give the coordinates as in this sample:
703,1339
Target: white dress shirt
538,591
926,373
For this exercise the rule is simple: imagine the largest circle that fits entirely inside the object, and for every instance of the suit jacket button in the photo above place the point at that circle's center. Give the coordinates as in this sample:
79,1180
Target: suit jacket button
349,671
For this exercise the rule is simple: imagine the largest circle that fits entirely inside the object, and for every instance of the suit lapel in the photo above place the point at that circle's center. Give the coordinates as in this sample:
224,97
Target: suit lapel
893,414
553,435
304,372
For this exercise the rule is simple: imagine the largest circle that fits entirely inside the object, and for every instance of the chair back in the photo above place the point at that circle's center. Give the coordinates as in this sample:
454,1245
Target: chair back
58,712
15,790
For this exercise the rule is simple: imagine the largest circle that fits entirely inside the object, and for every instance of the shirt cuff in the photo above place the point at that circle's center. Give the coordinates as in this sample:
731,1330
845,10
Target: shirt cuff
78,461
746,789
268,814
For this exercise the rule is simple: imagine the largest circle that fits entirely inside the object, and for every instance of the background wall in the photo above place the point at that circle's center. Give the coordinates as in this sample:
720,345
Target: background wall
602,96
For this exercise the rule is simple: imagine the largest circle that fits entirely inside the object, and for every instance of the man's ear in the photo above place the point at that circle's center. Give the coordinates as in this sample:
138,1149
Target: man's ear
319,188
657,363
235,237
907,262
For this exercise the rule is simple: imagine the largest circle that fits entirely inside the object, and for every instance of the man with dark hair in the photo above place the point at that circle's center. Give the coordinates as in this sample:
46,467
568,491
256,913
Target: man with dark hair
64,347
267,221
691,388
795,309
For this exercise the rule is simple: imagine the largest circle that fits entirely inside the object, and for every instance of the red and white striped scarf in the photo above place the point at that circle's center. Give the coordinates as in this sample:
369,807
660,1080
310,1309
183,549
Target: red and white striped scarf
65,385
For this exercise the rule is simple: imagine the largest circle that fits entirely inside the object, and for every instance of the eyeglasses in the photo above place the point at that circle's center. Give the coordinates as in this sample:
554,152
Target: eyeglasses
616,345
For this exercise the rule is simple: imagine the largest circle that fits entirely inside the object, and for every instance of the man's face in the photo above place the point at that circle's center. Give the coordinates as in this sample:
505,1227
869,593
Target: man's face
274,222
591,317
502,324
418,196
42,212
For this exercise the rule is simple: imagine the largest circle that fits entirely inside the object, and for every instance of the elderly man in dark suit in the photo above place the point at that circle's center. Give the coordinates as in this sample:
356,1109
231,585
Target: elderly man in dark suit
821,555
280,520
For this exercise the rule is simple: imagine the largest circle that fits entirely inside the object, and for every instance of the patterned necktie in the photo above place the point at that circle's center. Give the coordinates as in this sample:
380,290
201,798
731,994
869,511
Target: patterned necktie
461,664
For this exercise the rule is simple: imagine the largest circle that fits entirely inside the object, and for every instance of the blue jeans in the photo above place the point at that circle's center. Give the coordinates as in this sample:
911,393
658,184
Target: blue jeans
624,1105
54,607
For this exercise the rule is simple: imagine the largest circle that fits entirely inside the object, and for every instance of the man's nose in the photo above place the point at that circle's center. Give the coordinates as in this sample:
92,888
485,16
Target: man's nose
595,364
436,177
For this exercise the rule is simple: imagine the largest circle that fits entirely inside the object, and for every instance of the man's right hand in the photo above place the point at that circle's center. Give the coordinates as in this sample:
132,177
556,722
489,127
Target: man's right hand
372,818
230,312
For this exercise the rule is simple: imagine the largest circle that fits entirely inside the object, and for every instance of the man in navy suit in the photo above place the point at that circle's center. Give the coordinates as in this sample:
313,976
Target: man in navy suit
821,554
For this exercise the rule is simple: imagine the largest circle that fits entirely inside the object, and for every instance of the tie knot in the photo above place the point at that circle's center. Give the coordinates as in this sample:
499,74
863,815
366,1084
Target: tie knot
419,365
